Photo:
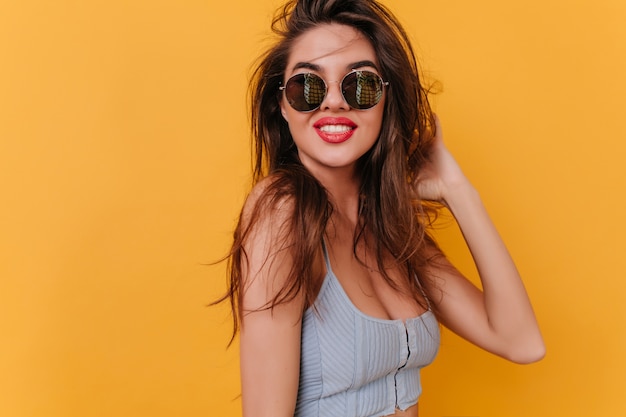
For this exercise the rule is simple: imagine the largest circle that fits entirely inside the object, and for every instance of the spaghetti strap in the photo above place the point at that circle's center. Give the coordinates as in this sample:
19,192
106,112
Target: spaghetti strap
419,284
326,257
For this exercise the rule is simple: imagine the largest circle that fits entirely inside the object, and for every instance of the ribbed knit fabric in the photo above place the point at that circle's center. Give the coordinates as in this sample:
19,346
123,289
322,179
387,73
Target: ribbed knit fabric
354,365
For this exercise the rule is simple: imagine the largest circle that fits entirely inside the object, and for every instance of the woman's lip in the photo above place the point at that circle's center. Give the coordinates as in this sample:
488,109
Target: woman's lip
335,137
324,121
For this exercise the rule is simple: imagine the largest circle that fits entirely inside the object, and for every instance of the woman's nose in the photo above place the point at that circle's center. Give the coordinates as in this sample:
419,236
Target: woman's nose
334,98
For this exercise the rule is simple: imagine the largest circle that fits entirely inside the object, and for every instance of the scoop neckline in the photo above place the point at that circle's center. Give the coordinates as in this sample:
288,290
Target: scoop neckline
356,310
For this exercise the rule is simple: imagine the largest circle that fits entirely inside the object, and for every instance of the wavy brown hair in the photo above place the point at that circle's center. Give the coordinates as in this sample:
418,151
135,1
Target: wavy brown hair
389,212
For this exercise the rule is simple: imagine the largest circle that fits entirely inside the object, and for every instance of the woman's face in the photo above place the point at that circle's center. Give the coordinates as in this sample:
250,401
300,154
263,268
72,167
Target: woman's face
334,136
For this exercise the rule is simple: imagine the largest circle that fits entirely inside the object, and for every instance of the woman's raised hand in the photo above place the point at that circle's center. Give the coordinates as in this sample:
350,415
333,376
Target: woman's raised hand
442,175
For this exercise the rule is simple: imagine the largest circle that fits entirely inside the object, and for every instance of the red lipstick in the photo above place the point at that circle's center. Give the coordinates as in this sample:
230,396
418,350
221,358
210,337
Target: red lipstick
335,129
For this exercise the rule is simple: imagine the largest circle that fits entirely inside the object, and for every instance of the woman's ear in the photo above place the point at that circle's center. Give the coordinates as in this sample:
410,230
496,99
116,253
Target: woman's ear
283,111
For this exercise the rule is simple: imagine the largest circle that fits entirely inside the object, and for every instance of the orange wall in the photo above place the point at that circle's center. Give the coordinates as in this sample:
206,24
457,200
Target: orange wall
123,158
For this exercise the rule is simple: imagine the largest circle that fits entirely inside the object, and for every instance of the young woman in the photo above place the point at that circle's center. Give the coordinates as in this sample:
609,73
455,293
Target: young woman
336,286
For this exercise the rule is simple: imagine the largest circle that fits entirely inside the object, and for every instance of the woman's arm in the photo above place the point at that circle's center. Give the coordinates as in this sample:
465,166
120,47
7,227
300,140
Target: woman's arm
499,319
269,338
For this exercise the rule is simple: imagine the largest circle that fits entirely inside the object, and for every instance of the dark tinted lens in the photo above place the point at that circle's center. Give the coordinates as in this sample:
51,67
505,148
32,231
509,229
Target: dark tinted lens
305,92
362,89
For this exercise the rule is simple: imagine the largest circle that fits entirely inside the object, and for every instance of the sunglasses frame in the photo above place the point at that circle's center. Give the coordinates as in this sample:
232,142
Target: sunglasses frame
283,88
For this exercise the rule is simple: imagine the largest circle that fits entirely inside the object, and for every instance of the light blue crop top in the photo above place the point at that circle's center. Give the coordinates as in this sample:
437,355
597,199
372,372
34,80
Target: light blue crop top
354,365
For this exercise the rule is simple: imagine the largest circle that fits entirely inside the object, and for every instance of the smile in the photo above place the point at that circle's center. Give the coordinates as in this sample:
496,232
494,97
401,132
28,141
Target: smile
335,128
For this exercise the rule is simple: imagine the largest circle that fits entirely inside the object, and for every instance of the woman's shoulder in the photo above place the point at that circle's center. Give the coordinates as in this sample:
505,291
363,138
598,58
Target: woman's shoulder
283,201
271,196
269,207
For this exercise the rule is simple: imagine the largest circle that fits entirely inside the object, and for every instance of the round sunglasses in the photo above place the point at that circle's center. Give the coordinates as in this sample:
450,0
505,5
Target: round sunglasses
360,89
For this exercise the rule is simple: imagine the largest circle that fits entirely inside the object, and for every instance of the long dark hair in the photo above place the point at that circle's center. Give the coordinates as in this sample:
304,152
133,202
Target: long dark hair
390,212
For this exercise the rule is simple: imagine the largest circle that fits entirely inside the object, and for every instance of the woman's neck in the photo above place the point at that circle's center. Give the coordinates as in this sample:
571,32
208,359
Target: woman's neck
343,189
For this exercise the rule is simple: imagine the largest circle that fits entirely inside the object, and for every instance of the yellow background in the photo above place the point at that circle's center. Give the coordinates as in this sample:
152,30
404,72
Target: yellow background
124,161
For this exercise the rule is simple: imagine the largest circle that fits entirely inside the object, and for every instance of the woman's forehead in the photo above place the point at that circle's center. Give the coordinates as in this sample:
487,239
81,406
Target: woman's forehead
331,46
